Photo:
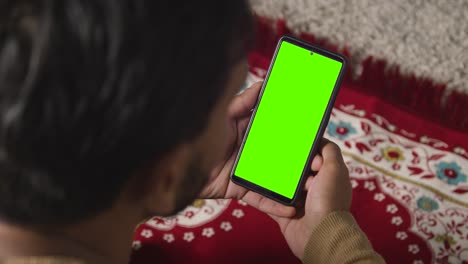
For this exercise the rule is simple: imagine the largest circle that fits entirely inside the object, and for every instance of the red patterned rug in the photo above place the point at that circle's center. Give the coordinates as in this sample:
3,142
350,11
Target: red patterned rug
409,176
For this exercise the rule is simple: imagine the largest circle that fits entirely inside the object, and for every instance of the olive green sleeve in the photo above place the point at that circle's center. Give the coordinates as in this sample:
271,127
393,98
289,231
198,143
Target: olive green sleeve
338,239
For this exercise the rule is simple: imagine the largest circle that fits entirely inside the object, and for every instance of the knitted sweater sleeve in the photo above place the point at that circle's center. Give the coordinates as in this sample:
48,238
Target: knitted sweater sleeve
338,239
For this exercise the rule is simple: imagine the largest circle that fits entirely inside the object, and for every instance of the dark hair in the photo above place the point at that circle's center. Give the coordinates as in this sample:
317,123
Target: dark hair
91,90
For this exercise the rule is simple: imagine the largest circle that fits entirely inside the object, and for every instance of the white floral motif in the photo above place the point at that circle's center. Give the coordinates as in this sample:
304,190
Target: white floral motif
169,238
413,248
208,232
242,203
396,220
189,236
238,213
369,185
352,109
379,197
226,226
408,134
392,208
354,184
418,262
460,150
435,142
151,222
401,235
146,233
136,245
382,121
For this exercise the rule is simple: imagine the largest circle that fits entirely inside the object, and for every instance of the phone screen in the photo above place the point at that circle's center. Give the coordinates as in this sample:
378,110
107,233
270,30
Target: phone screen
287,119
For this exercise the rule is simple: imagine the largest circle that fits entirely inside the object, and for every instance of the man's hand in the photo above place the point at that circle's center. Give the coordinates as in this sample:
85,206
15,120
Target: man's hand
220,185
328,191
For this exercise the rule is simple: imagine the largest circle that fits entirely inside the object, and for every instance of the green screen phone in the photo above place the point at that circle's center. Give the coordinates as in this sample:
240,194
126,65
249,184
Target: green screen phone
289,119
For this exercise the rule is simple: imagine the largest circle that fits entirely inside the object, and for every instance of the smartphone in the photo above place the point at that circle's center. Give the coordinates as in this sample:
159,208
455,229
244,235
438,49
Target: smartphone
288,120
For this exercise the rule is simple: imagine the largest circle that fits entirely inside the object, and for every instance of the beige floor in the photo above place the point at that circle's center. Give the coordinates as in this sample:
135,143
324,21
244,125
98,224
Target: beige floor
428,38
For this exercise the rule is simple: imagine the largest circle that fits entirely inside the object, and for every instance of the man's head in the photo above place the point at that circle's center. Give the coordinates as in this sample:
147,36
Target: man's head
96,94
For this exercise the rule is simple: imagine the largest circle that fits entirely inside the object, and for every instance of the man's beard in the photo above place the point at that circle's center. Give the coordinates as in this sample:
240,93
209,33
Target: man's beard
191,185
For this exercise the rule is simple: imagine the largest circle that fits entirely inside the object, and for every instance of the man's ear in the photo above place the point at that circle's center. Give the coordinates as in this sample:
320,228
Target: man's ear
164,180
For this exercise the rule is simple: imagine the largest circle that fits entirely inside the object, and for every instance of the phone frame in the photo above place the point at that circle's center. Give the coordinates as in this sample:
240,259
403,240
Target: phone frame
323,124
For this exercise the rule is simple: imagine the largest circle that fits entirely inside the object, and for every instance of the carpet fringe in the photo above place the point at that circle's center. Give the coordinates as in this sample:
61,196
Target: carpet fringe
420,96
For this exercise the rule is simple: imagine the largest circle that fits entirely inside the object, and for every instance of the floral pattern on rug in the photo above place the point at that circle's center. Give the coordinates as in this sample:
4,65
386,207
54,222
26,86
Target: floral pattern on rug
429,183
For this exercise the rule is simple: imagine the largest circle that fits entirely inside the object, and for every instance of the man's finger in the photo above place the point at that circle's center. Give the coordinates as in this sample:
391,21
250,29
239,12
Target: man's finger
316,163
330,151
245,102
268,206
308,183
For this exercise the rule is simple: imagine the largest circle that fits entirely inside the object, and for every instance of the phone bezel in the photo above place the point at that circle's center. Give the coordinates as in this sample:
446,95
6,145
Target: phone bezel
323,124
